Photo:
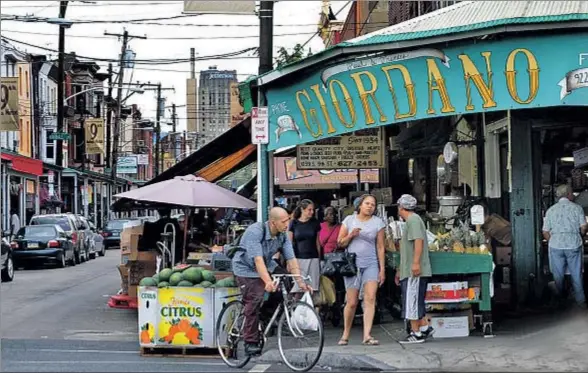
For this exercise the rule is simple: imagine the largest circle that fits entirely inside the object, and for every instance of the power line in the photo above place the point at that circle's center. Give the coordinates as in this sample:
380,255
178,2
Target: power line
98,4
229,55
162,38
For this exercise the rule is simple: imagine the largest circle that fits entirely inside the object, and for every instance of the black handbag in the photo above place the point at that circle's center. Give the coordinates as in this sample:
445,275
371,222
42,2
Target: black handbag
339,263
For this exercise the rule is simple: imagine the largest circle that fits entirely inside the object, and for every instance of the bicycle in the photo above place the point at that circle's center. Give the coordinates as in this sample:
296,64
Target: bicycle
230,323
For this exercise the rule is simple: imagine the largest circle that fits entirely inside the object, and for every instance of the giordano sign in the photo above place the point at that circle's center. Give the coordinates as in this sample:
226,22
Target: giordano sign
426,83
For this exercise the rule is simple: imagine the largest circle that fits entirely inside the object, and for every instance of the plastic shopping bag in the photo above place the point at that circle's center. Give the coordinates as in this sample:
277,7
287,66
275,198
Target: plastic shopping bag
304,318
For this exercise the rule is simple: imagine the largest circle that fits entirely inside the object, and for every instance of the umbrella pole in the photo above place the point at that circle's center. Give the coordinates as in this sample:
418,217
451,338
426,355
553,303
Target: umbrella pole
188,215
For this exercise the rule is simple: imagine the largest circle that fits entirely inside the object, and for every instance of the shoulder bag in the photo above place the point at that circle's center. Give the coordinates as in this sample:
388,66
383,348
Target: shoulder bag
339,263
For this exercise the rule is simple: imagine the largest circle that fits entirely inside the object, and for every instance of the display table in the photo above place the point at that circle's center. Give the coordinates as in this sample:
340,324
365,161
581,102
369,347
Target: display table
180,317
448,263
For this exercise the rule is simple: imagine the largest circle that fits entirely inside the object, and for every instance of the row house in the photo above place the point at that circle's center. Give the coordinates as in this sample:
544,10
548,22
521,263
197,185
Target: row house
31,180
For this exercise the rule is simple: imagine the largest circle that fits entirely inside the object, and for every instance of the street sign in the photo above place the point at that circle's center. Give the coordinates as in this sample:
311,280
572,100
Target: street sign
59,136
259,125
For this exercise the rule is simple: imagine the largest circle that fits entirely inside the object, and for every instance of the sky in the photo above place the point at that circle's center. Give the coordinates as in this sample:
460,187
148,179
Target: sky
208,34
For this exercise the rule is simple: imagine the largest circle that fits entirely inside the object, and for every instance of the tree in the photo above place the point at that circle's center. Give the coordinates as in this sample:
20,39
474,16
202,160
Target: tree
285,57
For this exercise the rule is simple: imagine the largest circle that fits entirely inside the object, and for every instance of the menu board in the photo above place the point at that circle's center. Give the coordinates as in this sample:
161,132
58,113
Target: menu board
357,151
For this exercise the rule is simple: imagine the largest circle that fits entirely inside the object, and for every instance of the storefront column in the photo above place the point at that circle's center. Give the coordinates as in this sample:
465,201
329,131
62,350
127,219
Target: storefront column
522,211
85,198
4,198
97,186
76,195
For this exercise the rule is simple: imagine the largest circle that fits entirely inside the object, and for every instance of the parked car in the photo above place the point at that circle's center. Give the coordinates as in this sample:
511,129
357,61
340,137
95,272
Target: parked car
89,242
7,260
44,242
71,225
111,232
98,240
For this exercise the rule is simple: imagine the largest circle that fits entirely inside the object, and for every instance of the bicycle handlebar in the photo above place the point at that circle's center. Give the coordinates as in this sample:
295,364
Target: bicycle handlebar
277,278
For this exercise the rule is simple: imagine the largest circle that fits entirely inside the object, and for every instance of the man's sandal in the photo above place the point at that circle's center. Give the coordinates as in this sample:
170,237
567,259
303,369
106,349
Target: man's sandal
371,341
343,342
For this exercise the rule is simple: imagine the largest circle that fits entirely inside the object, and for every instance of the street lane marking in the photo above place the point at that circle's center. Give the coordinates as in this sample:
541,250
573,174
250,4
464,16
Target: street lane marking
151,362
76,351
260,368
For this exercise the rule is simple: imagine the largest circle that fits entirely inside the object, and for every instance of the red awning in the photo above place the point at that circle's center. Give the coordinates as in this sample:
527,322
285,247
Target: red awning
24,164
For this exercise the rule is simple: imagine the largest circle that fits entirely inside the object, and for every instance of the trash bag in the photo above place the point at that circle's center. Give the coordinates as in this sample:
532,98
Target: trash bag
327,291
304,318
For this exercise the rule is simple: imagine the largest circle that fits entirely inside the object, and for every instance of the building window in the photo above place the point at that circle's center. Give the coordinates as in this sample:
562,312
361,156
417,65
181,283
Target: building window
28,83
50,146
20,92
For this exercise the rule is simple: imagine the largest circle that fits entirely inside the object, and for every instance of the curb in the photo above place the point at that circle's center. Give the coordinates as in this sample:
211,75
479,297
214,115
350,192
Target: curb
333,360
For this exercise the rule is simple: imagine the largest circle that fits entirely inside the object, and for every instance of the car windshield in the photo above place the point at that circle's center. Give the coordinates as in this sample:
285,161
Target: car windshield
37,232
116,224
62,221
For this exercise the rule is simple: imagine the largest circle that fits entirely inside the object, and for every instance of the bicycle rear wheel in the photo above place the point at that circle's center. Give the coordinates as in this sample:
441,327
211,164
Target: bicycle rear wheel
229,335
300,337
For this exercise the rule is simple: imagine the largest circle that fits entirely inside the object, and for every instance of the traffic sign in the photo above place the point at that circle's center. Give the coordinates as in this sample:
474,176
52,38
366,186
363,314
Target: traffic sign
259,125
59,136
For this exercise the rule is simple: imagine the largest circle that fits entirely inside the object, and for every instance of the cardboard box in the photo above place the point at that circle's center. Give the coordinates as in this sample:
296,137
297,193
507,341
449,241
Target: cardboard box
450,326
124,278
130,245
447,292
124,259
455,313
504,255
132,292
140,269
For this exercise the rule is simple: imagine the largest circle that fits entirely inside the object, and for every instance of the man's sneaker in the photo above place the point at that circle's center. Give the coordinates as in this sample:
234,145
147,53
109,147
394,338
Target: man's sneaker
429,332
413,339
252,349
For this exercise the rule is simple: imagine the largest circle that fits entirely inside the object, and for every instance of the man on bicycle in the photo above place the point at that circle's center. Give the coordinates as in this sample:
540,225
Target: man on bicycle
253,266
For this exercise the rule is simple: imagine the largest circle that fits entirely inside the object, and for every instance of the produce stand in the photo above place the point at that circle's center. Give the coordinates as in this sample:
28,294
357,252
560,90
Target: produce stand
175,319
449,263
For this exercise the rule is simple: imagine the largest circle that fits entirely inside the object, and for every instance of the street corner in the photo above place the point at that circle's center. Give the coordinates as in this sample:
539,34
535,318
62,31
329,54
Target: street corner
334,361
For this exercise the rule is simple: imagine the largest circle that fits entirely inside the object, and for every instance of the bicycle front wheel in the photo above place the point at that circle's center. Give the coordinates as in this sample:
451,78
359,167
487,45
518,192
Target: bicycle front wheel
229,335
300,337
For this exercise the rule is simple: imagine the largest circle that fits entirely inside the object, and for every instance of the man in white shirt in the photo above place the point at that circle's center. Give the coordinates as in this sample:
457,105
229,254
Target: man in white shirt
14,223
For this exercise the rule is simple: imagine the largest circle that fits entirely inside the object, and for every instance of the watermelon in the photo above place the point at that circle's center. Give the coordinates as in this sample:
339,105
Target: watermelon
205,284
147,281
165,274
163,284
194,275
175,279
184,283
181,267
208,276
156,278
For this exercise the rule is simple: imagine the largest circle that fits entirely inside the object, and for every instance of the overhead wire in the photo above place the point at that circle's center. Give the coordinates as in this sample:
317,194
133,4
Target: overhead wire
154,61
161,37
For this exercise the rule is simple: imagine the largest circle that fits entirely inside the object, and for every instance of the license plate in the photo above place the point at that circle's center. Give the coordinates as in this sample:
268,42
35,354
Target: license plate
33,246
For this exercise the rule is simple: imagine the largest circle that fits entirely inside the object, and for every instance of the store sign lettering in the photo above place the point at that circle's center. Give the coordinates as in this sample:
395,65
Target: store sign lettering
181,311
426,83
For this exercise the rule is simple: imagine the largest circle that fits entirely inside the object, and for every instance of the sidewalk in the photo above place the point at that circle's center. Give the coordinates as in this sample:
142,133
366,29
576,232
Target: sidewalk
556,342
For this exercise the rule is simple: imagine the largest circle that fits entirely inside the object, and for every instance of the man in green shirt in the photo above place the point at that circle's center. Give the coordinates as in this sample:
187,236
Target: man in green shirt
414,271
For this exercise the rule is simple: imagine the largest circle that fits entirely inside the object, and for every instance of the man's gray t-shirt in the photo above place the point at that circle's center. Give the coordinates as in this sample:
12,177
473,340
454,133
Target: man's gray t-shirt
364,245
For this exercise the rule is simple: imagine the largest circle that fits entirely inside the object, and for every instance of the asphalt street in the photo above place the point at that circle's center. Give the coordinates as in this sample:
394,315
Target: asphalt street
57,320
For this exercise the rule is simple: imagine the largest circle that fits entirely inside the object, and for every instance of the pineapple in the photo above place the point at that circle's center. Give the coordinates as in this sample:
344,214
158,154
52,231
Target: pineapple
468,243
458,240
481,243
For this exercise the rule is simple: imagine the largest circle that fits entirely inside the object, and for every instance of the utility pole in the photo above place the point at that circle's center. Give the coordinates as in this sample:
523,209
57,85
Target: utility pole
60,83
109,118
266,25
158,131
123,50
175,153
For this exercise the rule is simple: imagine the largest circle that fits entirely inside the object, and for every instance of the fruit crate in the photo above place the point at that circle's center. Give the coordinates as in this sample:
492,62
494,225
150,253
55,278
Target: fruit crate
180,317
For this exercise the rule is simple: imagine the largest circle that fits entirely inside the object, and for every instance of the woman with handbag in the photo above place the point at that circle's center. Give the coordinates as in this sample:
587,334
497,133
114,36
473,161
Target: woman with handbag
329,232
304,234
363,235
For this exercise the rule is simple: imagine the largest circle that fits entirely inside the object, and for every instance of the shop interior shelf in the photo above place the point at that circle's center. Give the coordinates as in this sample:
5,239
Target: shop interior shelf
443,263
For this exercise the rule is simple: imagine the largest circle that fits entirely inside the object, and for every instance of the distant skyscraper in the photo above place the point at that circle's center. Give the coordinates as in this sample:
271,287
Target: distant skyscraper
214,103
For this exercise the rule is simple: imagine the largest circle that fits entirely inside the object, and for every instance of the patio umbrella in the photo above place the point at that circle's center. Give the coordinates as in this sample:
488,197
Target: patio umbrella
188,191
